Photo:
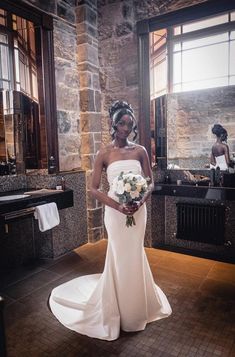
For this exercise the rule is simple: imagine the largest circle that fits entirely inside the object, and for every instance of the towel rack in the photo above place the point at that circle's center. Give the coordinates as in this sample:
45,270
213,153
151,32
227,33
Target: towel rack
21,213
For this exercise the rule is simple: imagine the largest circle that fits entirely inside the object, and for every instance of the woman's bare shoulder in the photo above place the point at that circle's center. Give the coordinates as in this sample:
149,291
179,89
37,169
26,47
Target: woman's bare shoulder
140,149
103,152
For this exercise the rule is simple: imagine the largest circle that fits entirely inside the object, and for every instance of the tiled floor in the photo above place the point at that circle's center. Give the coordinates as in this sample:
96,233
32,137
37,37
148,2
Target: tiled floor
201,293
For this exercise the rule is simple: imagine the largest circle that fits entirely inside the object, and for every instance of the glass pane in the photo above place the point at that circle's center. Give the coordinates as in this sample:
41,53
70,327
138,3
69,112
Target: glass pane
3,38
177,30
205,62
198,25
6,85
232,57
233,16
232,80
232,35
17,73
207,83
151,83
22,76
18,21
177,68
159,74
177,46
205,41
32,39
2,21
4,62
177,88
158,39
27,81
161,92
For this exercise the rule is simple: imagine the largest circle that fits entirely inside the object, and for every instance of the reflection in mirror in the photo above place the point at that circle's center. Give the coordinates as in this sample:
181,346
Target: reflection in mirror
22,118
192,88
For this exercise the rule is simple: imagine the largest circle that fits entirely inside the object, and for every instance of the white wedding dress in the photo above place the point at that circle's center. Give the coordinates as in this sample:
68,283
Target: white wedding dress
124,296
220,161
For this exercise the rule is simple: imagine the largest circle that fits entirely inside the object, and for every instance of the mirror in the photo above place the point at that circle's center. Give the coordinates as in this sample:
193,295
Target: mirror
184,121
28,130
191,85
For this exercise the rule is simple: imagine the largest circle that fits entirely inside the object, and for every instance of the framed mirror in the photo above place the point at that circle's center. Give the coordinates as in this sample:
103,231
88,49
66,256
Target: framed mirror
187,82
28,125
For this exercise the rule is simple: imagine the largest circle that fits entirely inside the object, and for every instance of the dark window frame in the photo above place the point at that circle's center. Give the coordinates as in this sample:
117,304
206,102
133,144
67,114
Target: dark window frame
45,23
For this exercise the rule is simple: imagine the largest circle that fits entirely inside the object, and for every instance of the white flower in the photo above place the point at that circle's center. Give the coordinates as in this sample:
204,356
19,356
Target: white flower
141,180
138,187
134,194
127,187
120,187
129,176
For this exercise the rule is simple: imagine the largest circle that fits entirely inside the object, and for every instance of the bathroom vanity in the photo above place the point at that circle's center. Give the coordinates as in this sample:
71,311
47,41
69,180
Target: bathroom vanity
21,241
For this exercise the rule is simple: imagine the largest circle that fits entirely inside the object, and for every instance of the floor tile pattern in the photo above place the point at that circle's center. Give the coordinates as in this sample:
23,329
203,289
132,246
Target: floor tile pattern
201,293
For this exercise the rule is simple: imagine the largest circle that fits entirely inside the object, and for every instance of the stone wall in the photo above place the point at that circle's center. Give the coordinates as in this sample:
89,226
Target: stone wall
90,105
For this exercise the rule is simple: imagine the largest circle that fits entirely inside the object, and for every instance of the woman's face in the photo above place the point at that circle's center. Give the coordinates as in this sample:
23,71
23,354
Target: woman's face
124,126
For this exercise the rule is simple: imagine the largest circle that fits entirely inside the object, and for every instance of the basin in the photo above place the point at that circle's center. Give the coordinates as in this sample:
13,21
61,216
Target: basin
12,197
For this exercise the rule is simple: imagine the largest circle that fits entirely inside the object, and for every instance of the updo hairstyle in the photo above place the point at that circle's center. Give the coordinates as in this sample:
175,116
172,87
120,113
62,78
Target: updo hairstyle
219,131
116,112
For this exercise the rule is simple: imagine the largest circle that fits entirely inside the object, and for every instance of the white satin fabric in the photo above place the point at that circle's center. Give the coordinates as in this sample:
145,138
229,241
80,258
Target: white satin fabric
124,296
220,161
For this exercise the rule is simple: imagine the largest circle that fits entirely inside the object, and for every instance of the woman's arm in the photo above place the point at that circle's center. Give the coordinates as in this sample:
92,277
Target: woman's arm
212,158
96,179
101,196
226,153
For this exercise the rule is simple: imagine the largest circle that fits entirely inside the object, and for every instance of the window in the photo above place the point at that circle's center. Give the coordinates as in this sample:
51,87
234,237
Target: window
158,65
190,55
18,68
27,87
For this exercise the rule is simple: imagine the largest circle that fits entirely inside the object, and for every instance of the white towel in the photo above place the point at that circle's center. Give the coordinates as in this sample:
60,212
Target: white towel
47,215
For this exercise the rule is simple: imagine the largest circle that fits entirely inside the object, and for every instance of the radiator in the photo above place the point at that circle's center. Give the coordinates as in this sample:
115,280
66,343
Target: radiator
201,223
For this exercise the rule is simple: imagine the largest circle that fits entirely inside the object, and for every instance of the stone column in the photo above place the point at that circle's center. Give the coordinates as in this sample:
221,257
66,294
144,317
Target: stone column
90,104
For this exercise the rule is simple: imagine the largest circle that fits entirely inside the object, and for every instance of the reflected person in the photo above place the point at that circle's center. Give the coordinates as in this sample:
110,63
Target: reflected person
220,150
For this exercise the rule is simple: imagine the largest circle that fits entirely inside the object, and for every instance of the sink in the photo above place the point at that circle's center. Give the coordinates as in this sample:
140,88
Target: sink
12,197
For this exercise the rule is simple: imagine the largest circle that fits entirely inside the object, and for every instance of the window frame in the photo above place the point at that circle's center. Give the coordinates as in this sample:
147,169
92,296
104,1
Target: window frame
45,24
144,27
193,35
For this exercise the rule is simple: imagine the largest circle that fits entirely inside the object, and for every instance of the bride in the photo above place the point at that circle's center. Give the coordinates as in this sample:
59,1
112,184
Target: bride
125,295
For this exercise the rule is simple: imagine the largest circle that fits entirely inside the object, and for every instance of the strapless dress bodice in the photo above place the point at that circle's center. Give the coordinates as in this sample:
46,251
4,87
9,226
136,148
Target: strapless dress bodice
116,167
221,162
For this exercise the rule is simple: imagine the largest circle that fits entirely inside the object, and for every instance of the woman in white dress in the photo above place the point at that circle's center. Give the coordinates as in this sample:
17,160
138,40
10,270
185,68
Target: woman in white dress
125,295
220,150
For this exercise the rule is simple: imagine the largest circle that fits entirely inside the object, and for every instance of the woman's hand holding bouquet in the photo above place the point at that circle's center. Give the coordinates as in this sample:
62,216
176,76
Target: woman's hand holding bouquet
130,189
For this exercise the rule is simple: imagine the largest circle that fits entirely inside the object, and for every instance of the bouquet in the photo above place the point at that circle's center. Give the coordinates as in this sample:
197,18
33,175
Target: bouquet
129,188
